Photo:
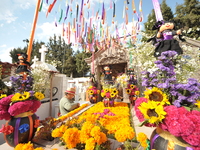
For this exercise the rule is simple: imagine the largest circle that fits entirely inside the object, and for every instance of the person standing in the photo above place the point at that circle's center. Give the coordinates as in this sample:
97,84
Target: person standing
66,103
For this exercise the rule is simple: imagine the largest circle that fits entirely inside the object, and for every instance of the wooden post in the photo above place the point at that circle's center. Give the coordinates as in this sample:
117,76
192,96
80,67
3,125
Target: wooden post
33,31
51,88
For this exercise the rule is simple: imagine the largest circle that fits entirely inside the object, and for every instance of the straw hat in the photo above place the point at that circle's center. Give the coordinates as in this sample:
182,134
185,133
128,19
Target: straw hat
71,91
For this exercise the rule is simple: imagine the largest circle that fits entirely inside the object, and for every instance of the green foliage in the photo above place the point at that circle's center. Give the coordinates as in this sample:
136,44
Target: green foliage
82,67
60,55
187,17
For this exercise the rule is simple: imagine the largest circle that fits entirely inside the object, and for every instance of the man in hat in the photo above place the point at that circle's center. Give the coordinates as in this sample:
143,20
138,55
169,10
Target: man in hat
67,102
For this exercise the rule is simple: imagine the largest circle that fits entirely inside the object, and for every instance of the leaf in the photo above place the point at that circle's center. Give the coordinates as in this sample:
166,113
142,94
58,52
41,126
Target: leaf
143,123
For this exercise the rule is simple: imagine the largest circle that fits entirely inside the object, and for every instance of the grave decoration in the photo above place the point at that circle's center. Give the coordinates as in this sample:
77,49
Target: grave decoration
172,107
94,128
19,108
132,90
92,90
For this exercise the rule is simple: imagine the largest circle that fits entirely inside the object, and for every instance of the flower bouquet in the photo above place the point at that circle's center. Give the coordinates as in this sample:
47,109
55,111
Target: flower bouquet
133,92
109,93
170,106
19,109
93,94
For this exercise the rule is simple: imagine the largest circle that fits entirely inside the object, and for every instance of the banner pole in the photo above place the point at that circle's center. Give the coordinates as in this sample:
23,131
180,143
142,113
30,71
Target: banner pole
33,31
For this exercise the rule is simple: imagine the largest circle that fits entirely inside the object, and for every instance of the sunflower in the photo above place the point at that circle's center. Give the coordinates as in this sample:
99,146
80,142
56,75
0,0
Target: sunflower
115,91
152,111
39,95
91,92
128,91
20,97
198,103
106,90
3,95
137,92
103,94
112,94
132,86
155,94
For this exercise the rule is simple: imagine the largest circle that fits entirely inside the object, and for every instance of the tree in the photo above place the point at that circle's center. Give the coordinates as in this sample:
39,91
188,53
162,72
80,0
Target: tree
167,15
62,55
166,11
187,17
81,66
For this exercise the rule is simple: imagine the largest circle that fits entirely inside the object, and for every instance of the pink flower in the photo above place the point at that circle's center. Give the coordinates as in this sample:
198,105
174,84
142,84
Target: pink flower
108,94
4,115
24,106
183,123
7,129
6,100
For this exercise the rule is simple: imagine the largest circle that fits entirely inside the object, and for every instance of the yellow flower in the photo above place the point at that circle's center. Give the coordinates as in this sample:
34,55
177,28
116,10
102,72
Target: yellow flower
91,92
128,91
26,146
20,97
58,132
152,111
198,103
3,95
141,137
39,148
155,94
137,92
90,144
39,95
112,94
103,94
106,90
71,137
132,86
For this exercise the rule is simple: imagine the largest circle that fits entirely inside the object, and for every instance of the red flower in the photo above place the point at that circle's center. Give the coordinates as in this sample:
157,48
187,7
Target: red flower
37,123
7,129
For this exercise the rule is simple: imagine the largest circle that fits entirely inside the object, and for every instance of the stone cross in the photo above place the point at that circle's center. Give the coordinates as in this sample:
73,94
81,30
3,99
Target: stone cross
42,51
35,59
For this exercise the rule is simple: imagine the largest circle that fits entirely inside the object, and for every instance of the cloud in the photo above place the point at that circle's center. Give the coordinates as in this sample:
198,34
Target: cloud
48,29
5,54
9,8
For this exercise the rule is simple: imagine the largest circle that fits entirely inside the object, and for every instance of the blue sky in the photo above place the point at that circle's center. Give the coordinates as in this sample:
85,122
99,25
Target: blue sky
16,18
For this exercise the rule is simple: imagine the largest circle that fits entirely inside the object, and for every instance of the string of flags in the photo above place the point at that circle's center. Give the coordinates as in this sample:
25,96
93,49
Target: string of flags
90,28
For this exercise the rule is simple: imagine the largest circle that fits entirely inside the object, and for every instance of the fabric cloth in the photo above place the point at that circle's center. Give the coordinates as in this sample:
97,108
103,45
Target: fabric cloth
168,43
67,105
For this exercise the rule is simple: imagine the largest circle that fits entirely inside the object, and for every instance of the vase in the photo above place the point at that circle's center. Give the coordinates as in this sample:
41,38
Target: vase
132,99
93,99
108,102
24,129
163,140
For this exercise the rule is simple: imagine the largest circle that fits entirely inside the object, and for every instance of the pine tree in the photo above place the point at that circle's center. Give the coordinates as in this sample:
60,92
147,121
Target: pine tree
81,66
187,17
167,15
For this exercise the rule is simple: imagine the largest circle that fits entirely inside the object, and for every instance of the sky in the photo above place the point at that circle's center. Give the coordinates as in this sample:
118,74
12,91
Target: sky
17,16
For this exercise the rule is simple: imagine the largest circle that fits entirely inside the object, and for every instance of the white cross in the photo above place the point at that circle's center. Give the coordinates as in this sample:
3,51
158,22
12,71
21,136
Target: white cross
34,60
42,51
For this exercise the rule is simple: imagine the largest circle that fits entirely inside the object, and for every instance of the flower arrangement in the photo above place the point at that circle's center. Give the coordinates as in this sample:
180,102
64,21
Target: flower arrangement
168,104
133,92
93,93
19,108
109,93
50,123
93,127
